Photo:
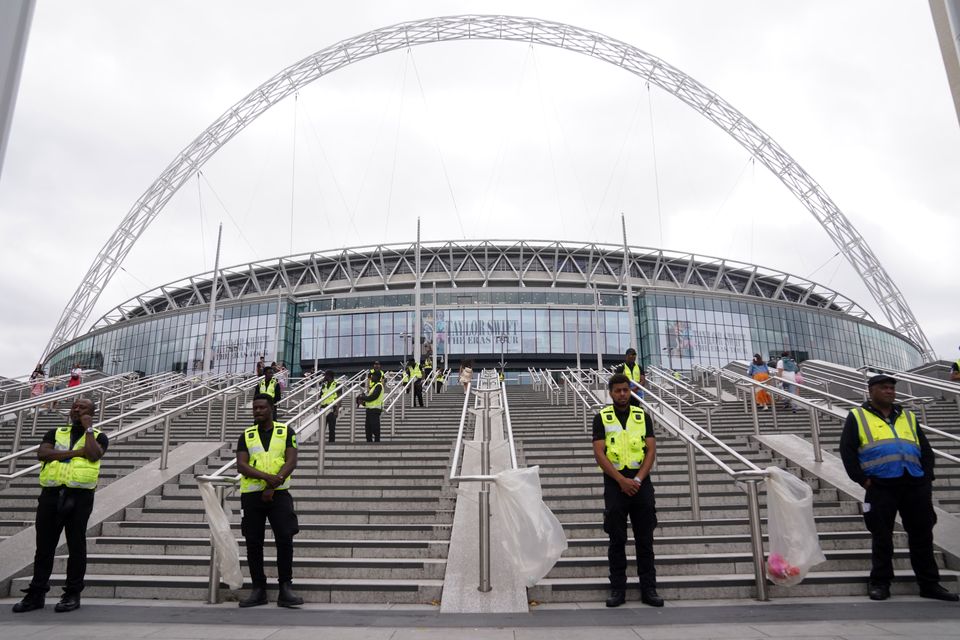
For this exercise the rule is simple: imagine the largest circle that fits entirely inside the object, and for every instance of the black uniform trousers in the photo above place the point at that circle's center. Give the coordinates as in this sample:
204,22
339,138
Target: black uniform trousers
641,509
371,424
59,509
915,504
417,392
438,386
283,522
332,426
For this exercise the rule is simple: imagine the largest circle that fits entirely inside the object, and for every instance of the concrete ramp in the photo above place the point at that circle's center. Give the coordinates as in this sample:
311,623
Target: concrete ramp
16,552
946,534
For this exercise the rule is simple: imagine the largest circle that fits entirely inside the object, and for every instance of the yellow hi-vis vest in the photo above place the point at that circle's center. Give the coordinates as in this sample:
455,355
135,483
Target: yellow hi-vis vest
500,376
269,389
267,460
416,372
377,402
325,389
626,448
885,451
76,473
633,374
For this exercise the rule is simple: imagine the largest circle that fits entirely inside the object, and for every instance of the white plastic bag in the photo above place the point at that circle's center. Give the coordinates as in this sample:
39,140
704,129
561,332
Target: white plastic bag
794,546
533,538
228,551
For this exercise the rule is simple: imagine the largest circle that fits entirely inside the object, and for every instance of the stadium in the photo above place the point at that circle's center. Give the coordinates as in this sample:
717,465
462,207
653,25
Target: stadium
529,303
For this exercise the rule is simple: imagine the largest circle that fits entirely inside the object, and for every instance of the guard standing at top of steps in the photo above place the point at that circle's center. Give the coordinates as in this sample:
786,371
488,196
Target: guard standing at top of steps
884,450
270,387
625,448
373,402
266,456
635,374
71,467
329,392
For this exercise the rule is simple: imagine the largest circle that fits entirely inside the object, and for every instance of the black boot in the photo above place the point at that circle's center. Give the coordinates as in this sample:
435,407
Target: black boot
257,597
30,602
617,597
651,597
287,598
69,602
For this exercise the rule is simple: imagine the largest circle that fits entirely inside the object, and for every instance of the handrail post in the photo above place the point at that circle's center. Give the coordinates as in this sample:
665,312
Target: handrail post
756,415
694,487
223,419
166,443
709,411
756,538
815,434
213,589
206,429
103,405
353,419
36,416
16,442
484,499
773,412
321,445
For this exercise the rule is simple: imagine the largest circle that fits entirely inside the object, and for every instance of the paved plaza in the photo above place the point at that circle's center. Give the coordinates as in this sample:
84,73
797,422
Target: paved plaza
827,618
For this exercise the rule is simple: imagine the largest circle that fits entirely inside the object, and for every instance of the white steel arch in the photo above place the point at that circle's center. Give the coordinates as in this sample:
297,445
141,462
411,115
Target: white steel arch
480,27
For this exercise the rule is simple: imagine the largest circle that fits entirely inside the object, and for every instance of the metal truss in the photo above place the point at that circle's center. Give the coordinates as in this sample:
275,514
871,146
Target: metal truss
483,263
479,27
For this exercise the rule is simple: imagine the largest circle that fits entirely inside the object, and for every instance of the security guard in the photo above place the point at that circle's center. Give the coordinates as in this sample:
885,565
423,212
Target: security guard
413,367
885,451
373,403
439,382
427,367
270,387
374,368
500,374
625,448
635,374
71,467
266,456
329,392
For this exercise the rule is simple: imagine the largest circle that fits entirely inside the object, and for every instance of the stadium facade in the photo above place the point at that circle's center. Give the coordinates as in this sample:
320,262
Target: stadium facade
528,302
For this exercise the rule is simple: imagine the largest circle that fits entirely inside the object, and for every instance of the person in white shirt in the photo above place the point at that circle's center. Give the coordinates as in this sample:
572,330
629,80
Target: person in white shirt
787,372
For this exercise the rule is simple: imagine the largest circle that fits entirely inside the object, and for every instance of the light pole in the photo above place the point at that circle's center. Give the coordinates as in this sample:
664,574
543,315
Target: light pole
502,339
404,336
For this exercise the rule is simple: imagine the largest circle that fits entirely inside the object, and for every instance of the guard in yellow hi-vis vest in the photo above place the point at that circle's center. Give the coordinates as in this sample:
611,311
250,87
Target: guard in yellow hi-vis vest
266,456
71,467
625,449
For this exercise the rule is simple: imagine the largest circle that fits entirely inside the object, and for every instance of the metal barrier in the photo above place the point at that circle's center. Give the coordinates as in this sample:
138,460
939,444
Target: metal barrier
487,387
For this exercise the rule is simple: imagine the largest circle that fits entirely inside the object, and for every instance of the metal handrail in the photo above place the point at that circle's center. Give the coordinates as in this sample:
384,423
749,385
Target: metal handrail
487,383
62,394
815,409
125,432
16,452
912,378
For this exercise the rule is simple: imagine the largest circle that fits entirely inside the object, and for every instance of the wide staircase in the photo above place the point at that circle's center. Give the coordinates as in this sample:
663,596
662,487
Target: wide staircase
374,525
375,522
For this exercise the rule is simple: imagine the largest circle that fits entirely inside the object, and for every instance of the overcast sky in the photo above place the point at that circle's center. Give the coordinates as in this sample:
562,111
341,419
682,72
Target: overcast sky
480,139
